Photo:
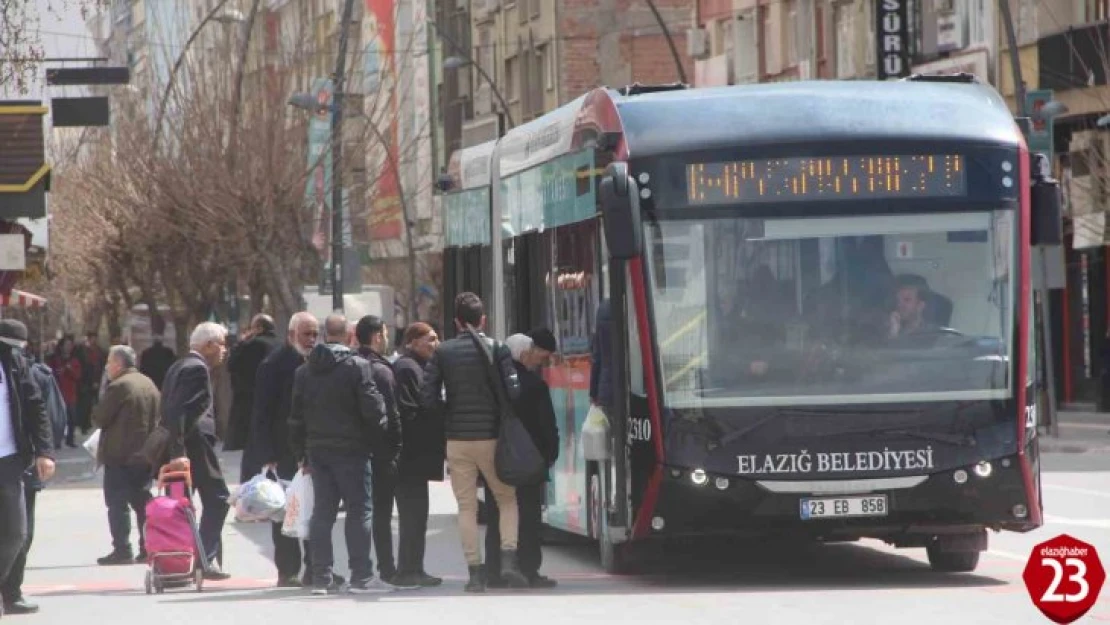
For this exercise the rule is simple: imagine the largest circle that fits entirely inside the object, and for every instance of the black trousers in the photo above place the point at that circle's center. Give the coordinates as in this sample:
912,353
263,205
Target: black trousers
13,513
11,590
208,480
412,518
126,489
529,503
383,489
288,551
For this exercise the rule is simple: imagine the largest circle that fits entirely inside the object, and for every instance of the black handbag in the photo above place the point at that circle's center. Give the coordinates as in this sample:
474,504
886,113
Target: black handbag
517,460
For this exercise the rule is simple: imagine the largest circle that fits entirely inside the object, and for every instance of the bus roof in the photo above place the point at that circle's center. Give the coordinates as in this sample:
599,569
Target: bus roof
813,111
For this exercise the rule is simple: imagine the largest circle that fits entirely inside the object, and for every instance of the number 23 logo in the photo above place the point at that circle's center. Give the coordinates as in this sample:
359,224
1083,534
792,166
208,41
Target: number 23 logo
1051,594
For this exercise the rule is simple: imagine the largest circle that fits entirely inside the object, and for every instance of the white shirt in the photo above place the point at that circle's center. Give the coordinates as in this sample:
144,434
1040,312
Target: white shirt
8,446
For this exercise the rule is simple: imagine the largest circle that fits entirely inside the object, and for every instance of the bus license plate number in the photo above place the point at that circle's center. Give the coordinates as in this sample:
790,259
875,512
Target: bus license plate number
843,507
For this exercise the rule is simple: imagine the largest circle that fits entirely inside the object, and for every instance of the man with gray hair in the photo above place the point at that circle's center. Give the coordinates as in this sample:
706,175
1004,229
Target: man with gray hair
268,441
188,413
126,414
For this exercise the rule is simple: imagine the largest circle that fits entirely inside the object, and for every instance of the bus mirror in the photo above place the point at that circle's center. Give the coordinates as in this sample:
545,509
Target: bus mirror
620,212
1044,198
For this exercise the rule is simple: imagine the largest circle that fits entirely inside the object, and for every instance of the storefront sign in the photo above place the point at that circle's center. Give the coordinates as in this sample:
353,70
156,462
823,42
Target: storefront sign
892,39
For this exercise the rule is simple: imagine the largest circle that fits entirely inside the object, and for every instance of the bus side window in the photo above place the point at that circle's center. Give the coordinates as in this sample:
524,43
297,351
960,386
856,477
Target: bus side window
635,356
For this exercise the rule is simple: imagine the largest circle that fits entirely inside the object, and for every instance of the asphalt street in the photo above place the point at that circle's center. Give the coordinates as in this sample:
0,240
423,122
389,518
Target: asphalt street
865,582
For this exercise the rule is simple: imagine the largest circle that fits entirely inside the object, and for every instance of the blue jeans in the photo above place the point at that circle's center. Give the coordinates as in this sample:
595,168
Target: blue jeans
338,476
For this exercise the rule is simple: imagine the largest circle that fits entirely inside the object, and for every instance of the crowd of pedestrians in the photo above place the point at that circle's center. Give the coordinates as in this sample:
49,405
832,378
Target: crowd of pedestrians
372,424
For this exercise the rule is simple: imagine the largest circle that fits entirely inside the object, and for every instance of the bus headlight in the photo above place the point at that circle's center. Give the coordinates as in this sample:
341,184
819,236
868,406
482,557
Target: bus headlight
983,469
698,477
960,476
721,483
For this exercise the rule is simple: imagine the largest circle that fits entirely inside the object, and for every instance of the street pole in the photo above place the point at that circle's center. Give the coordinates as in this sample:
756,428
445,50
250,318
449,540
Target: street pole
337,161
1045,309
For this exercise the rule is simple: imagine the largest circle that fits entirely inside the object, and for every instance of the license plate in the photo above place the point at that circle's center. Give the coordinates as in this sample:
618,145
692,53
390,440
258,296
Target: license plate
843,507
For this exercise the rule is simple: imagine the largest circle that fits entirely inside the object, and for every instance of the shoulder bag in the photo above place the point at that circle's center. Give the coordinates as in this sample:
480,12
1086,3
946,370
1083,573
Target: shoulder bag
517,460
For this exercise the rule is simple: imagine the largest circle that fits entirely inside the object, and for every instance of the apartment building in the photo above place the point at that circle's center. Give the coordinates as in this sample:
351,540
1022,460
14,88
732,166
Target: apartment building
517,59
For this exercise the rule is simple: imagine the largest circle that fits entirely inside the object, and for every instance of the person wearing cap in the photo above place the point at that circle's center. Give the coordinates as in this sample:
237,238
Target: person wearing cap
531,352
26,439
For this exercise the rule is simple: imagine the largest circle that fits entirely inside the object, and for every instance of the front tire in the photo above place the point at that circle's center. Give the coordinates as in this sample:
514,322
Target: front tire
614,558
952,561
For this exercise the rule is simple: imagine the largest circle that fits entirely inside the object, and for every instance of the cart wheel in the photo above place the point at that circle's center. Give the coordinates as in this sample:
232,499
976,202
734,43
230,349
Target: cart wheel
148,584
199,575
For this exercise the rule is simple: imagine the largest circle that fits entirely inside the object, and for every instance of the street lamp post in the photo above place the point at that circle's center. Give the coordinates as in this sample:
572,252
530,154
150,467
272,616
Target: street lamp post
308,102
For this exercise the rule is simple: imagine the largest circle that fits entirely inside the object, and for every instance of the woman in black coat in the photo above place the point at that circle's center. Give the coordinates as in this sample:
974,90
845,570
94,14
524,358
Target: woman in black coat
422,454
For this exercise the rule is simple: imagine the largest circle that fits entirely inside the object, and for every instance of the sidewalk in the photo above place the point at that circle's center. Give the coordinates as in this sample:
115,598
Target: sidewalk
1081,431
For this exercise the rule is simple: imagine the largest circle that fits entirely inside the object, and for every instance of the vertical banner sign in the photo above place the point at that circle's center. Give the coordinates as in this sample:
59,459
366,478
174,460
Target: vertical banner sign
1039,137
892,39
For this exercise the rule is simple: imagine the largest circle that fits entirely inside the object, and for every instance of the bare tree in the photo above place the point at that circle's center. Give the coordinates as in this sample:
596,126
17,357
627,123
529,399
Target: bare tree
20,40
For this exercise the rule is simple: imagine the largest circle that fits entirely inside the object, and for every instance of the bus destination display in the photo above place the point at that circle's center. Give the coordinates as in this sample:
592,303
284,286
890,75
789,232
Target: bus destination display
826,178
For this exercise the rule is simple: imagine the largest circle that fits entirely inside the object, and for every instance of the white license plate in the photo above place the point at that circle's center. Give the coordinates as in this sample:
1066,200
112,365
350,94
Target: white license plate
843,507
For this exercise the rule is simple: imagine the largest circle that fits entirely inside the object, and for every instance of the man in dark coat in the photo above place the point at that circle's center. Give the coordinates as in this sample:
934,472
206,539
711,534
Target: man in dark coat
26,442
337,423
125,415
371,333
242,365
188,413
422,454
537,413
268,440
156,360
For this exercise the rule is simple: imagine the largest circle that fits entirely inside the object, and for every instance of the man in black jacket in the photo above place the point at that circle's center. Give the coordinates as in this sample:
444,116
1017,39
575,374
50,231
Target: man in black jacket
268,439
26,439
242,365
457,382
371,333
536,412
188,413
337,422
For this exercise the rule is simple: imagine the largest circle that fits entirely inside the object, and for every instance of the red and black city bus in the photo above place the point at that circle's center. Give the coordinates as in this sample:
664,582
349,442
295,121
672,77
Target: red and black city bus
822,314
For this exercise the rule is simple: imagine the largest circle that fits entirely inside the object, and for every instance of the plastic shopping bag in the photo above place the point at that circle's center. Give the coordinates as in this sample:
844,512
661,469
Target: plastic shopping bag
298,507
93,443
595,435
260,499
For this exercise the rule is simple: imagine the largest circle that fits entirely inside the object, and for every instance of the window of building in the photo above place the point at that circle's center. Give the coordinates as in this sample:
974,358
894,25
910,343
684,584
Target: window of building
537,8
512,73
790,33
538,80
1027,22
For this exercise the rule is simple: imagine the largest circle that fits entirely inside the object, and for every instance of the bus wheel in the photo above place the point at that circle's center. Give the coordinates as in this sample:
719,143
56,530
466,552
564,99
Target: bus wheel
952,561
613,558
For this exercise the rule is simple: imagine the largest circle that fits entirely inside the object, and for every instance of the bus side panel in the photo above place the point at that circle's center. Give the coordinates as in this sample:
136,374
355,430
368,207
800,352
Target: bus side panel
567,502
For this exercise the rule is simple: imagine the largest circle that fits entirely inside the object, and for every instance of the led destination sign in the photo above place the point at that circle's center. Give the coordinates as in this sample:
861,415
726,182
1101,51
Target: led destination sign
826,178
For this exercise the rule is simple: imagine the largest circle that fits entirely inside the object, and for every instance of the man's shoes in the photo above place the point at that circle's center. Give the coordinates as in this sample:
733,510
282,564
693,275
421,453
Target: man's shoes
337,586
477,581
539,581
19,606
116,558
216,574
306,579
290,581
375,585
510,570
420,579
142,557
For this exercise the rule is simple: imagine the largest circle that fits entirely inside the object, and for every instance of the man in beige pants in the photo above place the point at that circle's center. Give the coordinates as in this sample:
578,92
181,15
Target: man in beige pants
457,386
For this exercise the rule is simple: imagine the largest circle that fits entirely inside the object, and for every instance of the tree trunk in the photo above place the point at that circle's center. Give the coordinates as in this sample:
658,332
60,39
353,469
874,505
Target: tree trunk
115,325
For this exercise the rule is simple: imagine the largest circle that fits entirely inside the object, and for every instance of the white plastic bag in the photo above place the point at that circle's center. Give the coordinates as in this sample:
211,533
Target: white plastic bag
595,435
260,499
93,443
298,507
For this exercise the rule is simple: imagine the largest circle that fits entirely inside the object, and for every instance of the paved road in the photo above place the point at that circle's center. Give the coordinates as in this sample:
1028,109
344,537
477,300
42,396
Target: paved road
865,582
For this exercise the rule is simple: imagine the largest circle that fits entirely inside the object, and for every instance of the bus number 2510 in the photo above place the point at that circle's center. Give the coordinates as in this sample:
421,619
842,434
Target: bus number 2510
639,429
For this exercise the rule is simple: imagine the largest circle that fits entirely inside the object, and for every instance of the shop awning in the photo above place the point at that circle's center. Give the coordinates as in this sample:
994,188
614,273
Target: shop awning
22,299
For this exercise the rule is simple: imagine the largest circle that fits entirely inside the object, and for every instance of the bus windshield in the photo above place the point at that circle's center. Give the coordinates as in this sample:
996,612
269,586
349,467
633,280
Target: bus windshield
833,310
